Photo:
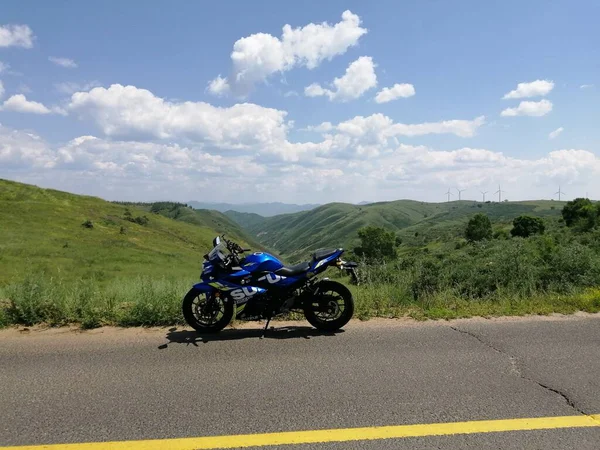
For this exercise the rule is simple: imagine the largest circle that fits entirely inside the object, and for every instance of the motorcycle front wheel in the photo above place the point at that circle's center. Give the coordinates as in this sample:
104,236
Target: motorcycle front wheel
331,308
206,312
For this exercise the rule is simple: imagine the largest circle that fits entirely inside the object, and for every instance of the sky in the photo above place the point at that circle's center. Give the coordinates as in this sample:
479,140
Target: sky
302,102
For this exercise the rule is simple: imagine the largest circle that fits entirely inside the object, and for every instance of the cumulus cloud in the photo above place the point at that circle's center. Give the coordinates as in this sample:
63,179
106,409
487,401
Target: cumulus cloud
533,89
556,132
178,172
19,103
396,91
359,78
258,56
536,109
16,36
219,86
63,62
130,112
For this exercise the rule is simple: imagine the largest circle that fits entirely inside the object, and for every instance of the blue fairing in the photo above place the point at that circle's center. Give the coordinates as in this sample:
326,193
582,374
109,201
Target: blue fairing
258,274
322,264
261,262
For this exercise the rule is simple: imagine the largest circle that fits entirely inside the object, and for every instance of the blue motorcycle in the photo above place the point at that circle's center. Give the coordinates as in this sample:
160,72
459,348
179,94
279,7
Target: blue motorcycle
258,286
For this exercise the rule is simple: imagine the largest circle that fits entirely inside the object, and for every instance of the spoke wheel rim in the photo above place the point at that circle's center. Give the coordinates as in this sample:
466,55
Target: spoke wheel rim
208,310
335,307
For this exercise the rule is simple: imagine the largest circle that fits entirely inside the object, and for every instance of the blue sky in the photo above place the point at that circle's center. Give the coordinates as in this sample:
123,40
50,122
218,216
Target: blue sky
135,76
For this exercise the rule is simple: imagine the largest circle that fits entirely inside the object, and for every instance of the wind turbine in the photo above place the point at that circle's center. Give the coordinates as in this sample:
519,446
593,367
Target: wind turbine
483,193
559,193
460,191
449,194
499,192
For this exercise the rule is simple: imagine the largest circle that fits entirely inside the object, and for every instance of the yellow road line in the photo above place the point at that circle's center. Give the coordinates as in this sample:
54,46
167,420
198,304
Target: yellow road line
333,435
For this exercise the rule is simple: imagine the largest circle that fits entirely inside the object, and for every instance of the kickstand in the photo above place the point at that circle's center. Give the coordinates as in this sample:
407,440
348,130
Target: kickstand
266,327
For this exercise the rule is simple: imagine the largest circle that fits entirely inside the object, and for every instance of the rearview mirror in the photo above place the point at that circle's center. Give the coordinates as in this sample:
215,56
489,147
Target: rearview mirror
216,241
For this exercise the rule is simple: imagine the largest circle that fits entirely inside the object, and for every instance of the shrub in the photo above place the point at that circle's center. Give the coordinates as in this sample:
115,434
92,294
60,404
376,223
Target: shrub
376,243
525,226
87,224
581,212
479,228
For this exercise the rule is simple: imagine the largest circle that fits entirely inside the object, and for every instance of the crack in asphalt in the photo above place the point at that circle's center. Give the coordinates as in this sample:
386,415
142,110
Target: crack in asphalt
516,370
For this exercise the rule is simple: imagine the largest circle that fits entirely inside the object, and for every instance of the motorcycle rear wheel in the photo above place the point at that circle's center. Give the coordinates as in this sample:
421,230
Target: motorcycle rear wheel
206,313
331,308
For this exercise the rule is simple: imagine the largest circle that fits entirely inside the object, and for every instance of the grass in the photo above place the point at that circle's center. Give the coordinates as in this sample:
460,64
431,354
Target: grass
336,224
115,271
148,301
41,231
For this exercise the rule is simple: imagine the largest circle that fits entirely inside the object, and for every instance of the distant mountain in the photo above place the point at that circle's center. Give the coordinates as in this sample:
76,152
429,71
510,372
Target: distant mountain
262,209
336,224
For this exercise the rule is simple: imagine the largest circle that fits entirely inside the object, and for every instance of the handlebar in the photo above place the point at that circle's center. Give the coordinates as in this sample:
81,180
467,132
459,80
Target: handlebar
234,247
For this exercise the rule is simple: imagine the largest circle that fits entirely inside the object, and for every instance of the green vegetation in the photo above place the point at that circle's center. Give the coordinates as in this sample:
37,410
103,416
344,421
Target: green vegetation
531,272
377,244
295,236
72,237
479,228
73,259
525,226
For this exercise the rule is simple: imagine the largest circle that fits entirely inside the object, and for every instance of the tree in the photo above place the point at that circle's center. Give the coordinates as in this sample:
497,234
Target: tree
525,226
581,212
479,228
376,243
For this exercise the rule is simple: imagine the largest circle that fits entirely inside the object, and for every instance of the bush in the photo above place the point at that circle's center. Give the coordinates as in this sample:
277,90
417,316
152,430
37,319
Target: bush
376,243
87,224
582,213
525,226
478,228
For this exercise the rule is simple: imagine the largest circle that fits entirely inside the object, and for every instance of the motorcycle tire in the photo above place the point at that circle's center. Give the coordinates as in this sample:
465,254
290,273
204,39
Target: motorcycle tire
206,327
314,306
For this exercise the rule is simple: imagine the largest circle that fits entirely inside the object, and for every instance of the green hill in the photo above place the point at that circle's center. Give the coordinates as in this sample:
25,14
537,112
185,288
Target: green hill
336,224
41,230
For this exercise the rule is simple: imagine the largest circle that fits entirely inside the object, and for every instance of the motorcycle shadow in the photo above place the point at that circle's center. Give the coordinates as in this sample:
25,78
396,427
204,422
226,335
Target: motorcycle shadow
175,336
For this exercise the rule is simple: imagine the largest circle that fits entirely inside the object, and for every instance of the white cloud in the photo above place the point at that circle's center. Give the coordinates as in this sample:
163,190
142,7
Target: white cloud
219,86
396,91
16,36
322,128
533,89
586,86
4,67
556,132
359,77
291,94
149,170
258,56
536,109
70,87
2,90
380,124
130,112
63,62
19,103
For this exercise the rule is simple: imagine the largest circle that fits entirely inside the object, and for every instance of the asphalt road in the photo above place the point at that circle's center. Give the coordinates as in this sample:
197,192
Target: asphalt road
62,386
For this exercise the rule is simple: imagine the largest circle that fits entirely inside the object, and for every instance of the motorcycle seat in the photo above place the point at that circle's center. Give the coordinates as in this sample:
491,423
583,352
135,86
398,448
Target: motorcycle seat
289,271
323,253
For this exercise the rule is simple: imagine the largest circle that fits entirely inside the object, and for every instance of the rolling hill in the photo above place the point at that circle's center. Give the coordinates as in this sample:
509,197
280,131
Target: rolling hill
263,209
336,224
41,230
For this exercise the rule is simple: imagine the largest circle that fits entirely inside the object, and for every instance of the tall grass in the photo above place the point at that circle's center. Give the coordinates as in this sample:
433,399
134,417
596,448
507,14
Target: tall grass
139,301
510,277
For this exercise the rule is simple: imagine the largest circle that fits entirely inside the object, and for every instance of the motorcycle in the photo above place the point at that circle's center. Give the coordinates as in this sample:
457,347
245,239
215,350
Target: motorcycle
258,286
